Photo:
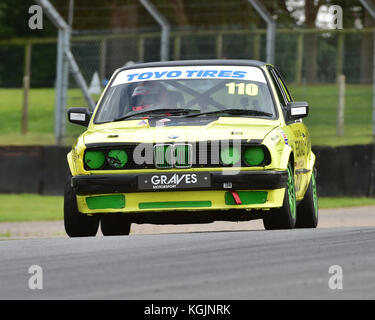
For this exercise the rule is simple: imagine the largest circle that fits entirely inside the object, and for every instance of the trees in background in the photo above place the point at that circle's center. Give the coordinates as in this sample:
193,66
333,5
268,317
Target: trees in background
115,15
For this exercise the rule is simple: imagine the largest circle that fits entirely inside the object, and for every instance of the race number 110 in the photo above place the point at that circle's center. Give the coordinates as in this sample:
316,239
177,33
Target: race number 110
249,89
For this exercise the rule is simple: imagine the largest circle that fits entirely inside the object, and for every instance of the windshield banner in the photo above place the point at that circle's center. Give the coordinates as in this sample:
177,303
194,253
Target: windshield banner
191,72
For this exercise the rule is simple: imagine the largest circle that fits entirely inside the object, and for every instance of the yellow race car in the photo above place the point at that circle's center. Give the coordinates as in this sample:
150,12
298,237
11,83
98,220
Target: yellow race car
191,142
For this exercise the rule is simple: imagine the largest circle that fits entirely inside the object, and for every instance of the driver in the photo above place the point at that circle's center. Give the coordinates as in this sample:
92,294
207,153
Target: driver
148,94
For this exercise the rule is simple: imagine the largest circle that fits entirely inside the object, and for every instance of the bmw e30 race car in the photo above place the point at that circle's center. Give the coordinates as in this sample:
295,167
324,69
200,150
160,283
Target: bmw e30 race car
191,142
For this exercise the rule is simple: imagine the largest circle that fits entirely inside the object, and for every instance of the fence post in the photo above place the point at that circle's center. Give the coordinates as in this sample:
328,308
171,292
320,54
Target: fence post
103,58
177,48
219,46
26,87
165,28
80,79
256,47
141,49
64,59
299,59
341,105
340,54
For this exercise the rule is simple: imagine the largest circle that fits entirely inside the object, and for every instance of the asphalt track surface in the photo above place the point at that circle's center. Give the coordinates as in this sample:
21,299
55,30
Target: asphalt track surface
285,264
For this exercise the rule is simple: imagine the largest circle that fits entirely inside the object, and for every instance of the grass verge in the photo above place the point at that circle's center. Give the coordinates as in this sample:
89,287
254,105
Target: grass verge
330,203
41,116
32,207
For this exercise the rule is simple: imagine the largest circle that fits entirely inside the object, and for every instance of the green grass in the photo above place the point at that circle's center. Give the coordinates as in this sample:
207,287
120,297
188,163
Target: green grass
30,207
321,121
323,100
328,203
41,117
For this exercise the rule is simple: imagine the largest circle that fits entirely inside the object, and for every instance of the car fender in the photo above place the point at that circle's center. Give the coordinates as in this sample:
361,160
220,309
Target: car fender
285,157
311,164
75,157
71,165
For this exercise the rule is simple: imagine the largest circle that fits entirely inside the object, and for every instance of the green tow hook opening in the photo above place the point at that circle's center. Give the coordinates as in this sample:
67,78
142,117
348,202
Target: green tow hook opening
106,202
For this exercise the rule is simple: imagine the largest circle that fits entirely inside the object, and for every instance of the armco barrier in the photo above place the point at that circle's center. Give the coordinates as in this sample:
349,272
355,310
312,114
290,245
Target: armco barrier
342,171
33,169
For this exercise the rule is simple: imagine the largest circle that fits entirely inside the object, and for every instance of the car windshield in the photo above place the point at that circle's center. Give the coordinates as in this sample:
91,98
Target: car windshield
187,91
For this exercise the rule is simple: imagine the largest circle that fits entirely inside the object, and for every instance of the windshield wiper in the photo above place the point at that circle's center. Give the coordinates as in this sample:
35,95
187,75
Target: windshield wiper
145,112
234,112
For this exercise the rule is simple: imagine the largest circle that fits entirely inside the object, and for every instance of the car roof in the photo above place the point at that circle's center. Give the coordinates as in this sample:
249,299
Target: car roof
210,62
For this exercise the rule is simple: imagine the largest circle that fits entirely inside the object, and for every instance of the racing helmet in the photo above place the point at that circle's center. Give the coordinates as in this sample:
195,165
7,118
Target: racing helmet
147,94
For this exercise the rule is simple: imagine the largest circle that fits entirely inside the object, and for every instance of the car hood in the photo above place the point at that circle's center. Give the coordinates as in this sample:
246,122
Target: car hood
165,130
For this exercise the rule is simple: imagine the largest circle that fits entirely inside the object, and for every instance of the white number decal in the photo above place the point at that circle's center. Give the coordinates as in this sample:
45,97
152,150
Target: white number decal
249,89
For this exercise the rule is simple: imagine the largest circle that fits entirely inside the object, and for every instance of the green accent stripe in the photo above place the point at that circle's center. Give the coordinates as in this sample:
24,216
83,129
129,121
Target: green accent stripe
174,204
315,196
291,192
106,202
286,91
247,197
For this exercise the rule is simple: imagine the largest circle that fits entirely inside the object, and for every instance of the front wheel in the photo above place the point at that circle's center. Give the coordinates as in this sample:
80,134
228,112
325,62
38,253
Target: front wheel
77,224
286,216
308,211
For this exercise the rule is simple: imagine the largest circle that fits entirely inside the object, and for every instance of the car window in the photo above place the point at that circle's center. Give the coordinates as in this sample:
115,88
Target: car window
195,88
283,84
280,93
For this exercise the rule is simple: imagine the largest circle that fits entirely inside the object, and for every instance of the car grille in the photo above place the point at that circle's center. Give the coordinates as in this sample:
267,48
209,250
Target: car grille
177,155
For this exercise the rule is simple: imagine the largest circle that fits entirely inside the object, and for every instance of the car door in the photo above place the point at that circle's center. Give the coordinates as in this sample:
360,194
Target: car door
300,141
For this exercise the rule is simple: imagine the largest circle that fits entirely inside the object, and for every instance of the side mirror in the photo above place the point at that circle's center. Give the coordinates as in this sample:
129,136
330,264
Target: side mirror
297,110
79,116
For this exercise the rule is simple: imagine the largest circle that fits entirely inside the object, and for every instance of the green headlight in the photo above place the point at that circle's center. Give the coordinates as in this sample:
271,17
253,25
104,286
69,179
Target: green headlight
230,155
117,158
94,159
254,156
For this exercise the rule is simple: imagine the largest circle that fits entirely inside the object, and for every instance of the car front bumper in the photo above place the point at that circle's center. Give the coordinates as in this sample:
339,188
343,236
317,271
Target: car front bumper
121,193
127,183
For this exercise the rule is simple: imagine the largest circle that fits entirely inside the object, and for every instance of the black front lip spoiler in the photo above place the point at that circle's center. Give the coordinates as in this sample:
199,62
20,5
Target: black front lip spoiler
125,183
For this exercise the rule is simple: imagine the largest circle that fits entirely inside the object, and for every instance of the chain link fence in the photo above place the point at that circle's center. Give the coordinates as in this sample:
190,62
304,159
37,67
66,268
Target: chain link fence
309,59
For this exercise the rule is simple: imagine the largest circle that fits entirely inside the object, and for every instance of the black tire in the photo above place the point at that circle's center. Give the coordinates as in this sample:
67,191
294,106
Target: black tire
308,211
115,224
286,216
77,224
